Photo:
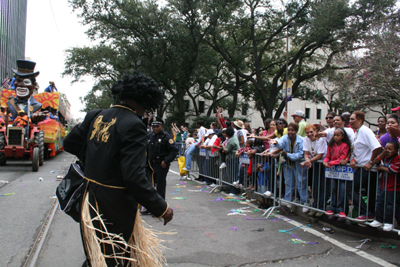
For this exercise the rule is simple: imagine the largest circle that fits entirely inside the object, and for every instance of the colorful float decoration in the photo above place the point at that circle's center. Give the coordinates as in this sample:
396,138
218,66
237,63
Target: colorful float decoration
54,129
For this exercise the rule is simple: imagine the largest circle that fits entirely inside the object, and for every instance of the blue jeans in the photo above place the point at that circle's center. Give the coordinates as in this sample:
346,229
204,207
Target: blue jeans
339,200
391,208
188,155
295,177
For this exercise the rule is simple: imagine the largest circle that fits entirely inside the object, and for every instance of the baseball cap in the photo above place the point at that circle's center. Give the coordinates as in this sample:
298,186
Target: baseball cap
396,109
298,113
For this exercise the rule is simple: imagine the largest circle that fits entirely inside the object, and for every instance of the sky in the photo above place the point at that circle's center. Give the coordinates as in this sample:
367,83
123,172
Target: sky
52,28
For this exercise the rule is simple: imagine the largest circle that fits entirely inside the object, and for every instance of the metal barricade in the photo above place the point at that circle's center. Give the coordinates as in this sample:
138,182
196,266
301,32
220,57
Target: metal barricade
367,196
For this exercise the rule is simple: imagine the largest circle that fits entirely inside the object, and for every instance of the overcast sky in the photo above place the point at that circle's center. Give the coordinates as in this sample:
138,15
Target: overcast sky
51,29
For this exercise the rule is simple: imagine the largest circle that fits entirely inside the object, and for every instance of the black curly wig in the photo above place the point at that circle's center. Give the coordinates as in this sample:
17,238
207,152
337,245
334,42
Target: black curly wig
139,87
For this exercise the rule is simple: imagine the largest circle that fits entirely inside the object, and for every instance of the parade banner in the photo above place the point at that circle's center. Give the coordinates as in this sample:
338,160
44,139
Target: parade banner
289,91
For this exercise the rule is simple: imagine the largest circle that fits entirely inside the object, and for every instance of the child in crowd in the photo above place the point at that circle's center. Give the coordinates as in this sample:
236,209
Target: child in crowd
224,143
389,189
243,167
338,153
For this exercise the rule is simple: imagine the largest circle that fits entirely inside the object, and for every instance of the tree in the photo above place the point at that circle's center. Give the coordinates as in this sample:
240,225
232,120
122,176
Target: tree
319,31
374,77
168,40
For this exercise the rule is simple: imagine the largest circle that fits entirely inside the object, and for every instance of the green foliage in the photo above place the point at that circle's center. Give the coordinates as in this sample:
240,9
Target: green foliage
221,50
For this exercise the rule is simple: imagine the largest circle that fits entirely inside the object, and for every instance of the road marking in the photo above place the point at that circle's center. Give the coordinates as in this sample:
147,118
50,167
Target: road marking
177,173
326,238
341,245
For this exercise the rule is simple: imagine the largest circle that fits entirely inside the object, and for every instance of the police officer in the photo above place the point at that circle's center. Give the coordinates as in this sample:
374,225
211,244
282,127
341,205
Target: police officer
162,151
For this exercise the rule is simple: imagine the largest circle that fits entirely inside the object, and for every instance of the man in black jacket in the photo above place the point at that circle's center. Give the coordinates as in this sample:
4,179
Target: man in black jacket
115,166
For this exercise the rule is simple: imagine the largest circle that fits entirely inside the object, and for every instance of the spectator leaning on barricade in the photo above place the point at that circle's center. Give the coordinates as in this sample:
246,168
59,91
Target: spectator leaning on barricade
338,154
388,201
193,148
241,133
279,132
243,167
382,120
270,129
230,149
365,148
391,135
295,175
300,119
210,169
315,150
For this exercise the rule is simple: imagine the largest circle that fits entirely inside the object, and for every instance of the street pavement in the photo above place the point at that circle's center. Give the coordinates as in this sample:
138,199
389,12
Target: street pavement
207,229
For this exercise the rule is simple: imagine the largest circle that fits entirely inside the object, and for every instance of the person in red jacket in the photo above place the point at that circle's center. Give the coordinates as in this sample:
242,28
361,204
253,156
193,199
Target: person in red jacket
338,153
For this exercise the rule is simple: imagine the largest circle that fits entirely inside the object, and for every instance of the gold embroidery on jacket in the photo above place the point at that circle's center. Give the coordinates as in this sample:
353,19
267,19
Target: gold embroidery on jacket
100,129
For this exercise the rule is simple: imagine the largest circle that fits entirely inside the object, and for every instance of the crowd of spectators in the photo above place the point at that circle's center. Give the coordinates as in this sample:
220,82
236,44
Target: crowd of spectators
304,151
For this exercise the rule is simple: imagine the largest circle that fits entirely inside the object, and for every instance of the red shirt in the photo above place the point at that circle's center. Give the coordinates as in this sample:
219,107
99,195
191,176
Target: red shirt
393,164
336,153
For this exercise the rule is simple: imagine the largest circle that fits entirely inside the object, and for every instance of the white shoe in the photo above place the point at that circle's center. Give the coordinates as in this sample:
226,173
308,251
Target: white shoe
304,209
204,182
268,193
213,185
232,195
387,227
184,169
235,183
223,165
375,223
287,204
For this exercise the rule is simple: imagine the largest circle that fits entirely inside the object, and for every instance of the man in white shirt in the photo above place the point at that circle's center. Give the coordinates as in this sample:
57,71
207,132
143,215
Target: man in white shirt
193,148
365,148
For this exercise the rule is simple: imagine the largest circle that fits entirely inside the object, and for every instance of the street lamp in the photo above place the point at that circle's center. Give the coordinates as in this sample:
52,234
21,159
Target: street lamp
287,62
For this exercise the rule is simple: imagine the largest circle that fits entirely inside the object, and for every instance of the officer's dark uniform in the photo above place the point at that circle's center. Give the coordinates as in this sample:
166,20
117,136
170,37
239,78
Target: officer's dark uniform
162,147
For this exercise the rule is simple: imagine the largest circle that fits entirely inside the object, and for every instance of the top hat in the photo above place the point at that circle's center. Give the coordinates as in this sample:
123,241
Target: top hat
25,68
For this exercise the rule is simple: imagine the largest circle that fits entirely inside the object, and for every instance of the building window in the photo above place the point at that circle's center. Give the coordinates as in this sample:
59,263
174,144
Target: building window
187,105
318,113
201,106
307,113
245,107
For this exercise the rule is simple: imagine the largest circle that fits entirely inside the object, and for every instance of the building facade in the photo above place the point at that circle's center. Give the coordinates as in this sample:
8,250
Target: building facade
12,34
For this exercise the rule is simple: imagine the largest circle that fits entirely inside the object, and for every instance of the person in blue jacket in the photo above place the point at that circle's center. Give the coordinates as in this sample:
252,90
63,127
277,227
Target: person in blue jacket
295,175
51,88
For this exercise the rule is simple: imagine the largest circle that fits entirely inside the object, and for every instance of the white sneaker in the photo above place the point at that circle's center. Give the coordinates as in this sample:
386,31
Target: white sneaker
375,223
213,185
232,195
268,193
304,209
223,165
185,169
235,183
387,227
287,204
204,182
